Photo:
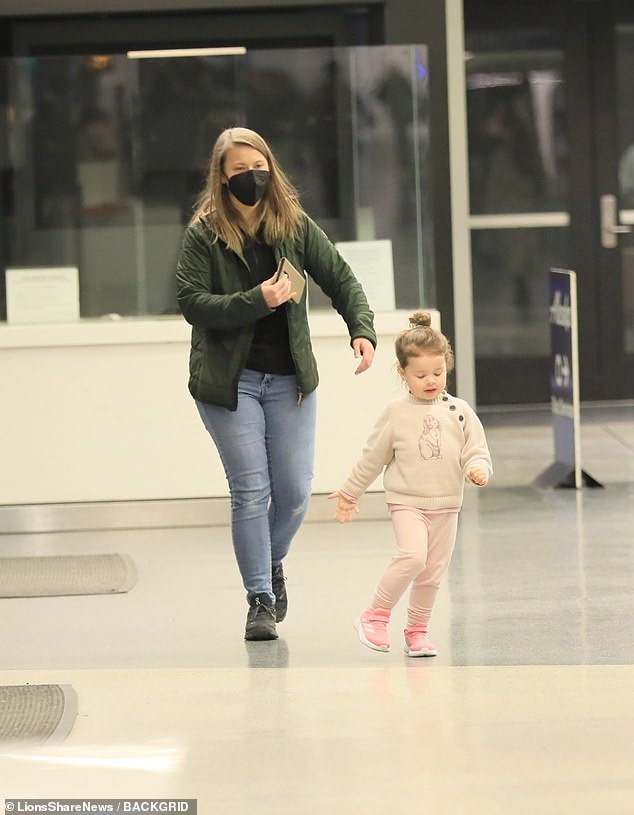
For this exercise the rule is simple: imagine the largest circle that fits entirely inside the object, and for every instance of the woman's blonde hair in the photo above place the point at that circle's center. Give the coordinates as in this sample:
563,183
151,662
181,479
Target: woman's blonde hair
421,338
279,209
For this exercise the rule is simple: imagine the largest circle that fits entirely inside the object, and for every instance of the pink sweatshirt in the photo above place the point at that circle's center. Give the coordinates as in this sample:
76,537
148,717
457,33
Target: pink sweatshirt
425,449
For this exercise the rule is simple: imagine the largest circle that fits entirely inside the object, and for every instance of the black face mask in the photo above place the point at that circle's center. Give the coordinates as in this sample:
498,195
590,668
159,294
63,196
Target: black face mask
249,186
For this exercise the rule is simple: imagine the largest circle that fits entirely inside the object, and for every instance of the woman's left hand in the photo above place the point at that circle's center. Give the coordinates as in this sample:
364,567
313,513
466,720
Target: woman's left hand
363,348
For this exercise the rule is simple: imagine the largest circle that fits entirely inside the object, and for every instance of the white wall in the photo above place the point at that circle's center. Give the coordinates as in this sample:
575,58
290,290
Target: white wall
99,411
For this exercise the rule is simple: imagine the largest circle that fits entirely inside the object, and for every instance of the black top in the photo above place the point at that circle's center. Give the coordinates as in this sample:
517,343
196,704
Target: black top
270,350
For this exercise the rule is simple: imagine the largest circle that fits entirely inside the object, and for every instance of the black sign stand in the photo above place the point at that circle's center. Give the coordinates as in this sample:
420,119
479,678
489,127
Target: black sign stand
566,470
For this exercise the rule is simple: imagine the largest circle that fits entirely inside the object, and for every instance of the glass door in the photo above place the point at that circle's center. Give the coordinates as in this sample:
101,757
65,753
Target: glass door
615,182
520,214
550,98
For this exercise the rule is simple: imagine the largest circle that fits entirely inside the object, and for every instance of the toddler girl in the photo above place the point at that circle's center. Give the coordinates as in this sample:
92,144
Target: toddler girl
426,443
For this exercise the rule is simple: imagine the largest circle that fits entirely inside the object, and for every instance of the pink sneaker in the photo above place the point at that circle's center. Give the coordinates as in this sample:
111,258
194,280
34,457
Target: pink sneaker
371,627
417,643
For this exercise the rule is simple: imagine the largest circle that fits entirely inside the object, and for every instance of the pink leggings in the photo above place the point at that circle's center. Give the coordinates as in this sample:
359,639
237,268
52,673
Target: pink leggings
425,543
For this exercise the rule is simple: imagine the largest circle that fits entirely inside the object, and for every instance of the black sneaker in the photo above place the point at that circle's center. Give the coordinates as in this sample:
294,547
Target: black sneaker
260,620
279,590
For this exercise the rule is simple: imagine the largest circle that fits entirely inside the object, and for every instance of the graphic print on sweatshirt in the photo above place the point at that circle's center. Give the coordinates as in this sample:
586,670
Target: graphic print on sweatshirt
429,441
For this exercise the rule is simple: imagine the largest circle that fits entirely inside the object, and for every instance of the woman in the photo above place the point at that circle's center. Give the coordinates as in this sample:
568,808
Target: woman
252,370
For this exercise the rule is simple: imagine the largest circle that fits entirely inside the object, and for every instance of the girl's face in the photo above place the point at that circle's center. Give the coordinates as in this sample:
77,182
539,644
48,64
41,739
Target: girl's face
241,157
425,375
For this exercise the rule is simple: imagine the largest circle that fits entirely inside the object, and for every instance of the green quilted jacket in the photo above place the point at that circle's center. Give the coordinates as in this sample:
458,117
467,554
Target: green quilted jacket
217,298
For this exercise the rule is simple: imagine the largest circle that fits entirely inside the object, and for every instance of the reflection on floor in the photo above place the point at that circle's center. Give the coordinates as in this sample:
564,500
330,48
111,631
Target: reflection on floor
529,706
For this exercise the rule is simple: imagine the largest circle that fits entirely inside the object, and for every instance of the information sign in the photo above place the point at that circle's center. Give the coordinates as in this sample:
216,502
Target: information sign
564,384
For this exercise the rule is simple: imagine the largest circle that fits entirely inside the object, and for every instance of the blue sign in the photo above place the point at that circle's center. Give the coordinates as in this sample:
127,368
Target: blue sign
565,471
563,376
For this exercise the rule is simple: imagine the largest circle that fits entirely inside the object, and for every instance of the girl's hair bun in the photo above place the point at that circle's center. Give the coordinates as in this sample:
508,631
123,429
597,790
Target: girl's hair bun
420,319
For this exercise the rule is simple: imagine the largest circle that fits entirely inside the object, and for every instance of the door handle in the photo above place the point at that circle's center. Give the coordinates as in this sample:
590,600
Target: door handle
610,228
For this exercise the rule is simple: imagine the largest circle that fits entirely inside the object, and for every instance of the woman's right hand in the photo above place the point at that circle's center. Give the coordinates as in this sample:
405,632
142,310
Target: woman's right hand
276,292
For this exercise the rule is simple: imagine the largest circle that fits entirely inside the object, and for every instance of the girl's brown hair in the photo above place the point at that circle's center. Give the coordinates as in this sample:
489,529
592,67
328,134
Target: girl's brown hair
279,209
421,338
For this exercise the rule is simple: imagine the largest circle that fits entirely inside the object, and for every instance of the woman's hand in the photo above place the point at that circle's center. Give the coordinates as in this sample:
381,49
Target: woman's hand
363,348
346,509
478,476
277,292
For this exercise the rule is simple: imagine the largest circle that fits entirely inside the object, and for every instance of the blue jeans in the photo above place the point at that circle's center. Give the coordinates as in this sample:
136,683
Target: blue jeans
267,448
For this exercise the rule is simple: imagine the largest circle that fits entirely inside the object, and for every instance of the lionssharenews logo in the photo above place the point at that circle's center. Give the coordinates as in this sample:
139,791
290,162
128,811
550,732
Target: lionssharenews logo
15,806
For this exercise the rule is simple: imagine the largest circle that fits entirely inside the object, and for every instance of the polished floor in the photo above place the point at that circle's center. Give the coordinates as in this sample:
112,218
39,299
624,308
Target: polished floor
528,708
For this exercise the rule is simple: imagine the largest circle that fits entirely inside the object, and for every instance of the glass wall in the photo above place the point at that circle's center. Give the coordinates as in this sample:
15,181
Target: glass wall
625,89
102,157
518,185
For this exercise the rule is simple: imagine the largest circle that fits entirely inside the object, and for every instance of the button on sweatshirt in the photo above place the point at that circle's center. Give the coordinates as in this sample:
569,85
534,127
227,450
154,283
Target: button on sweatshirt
425,450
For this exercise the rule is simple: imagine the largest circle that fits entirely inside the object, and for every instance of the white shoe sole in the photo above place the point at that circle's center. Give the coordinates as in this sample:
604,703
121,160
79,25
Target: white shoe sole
359,629
428,652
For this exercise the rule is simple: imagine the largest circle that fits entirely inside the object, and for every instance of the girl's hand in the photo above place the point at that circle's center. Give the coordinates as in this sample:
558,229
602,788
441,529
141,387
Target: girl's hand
345,509
478,476
277,292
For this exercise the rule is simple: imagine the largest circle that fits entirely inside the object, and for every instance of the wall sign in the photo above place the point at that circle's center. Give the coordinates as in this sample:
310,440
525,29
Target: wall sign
43,295
373,266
